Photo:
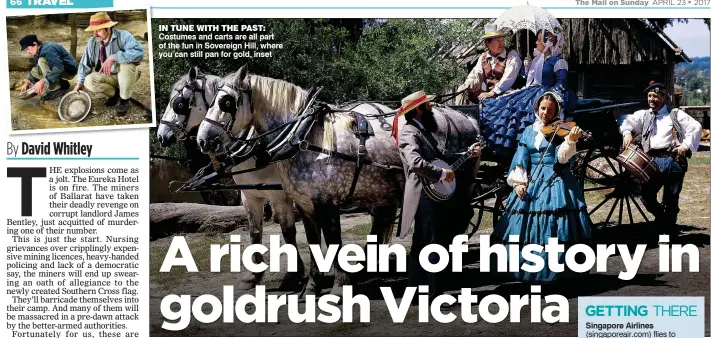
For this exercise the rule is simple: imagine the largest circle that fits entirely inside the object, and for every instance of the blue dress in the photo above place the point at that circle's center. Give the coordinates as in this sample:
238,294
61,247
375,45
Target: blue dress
505,117
554,207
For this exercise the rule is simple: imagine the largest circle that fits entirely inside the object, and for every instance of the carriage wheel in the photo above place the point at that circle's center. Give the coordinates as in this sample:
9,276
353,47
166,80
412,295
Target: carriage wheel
602,177
478,206
480,196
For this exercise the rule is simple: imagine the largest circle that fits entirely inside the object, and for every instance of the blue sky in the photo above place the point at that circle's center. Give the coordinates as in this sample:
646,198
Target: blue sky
693,37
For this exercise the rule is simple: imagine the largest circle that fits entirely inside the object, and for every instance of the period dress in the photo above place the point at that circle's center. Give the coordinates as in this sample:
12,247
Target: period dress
554,205
505,117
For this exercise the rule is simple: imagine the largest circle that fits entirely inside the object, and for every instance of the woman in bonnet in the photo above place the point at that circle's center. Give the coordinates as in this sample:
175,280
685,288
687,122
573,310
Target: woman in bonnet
505,117
546,200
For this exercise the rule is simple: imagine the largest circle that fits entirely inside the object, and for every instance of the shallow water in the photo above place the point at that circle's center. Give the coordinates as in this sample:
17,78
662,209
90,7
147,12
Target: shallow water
31,114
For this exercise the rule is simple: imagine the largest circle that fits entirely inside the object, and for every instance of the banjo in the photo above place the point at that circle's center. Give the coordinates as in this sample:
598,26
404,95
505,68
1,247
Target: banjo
441,191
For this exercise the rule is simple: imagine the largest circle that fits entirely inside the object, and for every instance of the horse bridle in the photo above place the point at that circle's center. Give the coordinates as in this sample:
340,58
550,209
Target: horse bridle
245,141
228,104
183,106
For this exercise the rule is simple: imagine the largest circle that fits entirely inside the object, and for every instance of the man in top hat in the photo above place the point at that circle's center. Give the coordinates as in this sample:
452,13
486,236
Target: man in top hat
497,69
434,222
669,136
54,66
108,65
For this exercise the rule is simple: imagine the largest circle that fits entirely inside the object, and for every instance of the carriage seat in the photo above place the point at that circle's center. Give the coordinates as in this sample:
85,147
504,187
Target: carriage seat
583,104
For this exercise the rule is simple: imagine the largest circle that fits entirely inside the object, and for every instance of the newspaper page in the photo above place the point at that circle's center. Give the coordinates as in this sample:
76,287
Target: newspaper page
215,169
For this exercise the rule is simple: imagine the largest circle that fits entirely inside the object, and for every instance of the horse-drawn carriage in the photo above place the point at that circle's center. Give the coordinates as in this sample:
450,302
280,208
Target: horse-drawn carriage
276,135
596,166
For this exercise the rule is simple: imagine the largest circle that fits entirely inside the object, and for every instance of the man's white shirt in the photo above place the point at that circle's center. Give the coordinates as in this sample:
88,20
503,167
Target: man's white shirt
662,137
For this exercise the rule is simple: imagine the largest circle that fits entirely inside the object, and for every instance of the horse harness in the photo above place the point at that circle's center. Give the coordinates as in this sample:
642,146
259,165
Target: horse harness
182,105
293,137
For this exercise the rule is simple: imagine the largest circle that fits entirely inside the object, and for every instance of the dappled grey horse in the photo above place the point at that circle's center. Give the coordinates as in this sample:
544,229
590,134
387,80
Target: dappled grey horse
190,100
317,181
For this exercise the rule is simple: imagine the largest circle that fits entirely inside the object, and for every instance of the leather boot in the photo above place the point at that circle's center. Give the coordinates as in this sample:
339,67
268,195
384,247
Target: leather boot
112,101
122,108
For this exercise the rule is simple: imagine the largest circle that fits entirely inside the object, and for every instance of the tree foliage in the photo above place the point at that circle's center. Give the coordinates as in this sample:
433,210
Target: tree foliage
375,60
693,81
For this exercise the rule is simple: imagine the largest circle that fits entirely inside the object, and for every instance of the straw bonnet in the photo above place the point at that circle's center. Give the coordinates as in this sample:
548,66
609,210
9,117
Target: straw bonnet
491,31
409,103
99,21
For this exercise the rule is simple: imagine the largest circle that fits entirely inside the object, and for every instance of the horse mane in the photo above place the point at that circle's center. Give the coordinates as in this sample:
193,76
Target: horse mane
285,99
276,96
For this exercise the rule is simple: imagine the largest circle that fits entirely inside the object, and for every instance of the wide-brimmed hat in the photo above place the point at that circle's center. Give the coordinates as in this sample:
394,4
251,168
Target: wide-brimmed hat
413,100
491,31
409,103
100,20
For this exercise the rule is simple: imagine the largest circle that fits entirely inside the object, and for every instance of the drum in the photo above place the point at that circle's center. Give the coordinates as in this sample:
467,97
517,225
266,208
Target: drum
637,162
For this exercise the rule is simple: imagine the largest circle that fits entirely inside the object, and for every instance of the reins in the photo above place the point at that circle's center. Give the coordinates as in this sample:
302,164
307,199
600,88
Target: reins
248,146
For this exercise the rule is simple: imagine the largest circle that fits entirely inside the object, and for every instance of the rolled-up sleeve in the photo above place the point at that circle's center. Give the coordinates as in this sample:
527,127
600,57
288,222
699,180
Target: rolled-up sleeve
132,49
474,77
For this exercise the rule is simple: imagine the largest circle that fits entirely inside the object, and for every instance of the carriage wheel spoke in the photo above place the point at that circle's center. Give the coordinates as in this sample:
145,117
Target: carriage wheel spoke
477,224
599,172
612,210
629,209
607,198
640,210
611,166
619,216
599,188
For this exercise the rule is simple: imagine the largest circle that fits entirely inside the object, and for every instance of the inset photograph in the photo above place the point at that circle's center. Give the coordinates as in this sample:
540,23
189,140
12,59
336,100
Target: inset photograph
80,70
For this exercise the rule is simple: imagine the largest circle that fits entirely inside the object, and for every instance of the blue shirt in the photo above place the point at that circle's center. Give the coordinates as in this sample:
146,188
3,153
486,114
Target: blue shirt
59,60
122,45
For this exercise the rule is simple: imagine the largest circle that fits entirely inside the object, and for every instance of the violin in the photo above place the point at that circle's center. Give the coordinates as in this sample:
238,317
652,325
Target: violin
562,129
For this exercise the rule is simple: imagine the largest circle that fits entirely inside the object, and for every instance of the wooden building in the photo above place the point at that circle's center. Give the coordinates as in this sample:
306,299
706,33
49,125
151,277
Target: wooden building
617,58
613,59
